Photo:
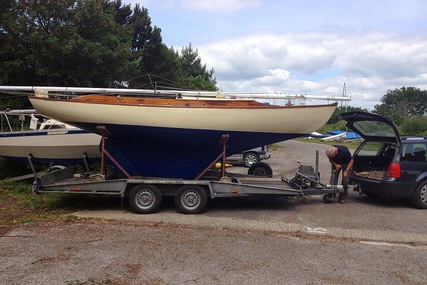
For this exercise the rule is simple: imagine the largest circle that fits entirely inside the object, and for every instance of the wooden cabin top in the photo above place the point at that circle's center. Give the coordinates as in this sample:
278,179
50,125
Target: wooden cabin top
176,102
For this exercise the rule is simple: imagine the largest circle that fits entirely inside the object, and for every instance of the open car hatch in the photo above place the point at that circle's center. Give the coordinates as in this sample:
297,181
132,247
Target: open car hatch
371,126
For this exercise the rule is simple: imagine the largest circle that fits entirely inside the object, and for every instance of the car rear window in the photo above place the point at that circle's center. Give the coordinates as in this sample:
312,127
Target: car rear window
374,128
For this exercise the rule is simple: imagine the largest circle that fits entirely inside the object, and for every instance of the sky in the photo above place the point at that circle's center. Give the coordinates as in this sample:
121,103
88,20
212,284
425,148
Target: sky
312,47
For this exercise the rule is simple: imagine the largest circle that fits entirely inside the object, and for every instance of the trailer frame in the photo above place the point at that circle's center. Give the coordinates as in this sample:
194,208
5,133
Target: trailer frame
191,196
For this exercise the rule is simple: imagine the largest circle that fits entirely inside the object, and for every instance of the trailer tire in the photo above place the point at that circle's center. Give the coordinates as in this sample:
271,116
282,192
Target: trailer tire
55,167
145,199
190,199
260,169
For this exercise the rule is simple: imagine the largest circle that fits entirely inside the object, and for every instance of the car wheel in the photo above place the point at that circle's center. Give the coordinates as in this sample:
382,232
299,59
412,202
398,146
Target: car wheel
250,158
419,200
260,169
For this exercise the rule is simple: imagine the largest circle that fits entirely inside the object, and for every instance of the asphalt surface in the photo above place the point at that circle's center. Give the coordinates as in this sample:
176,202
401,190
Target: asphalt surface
235,241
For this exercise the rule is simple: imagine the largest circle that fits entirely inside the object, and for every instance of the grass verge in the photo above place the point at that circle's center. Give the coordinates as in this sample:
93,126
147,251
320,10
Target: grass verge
19,205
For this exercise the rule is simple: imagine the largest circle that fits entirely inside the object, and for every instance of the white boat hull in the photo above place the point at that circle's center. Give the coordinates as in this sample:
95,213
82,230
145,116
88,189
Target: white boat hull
301,119
180,141
53,146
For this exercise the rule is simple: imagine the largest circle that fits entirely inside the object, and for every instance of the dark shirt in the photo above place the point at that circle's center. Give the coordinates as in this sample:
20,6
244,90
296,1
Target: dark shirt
343,156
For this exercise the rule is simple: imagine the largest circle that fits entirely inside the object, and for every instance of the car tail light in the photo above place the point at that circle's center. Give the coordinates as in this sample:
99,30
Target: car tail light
393,170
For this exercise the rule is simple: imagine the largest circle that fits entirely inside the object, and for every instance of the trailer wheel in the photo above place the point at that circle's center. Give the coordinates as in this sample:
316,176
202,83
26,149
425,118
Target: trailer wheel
55,167
145,199
190,199
260,169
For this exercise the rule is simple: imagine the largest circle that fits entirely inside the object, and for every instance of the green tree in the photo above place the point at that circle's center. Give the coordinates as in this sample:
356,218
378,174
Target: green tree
99,43
194,73
152,57
67,42
399,104
123,12
415,125
335,118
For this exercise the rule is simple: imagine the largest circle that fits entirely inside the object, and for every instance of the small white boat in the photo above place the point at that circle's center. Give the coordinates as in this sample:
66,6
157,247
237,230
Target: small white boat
53,142
336,137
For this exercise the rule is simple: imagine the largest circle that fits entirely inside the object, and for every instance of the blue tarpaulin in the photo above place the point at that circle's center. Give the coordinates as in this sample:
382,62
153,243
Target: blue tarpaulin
349,135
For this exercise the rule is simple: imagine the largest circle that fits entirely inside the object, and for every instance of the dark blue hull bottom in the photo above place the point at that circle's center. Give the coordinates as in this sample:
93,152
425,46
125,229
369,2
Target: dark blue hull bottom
176,153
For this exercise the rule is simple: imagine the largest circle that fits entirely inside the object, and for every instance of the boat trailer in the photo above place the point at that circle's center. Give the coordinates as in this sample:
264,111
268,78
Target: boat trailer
191,196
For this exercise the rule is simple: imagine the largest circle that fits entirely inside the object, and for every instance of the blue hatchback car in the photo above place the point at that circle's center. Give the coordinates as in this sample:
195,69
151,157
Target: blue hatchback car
385,163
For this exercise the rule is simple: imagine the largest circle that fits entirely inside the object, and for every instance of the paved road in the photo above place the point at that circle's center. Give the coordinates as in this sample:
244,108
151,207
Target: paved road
236,241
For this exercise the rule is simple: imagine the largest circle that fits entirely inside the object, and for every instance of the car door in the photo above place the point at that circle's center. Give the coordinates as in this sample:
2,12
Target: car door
413,160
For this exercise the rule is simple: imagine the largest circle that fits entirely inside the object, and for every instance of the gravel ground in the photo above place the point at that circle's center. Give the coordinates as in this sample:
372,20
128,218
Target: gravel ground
129,253
151,249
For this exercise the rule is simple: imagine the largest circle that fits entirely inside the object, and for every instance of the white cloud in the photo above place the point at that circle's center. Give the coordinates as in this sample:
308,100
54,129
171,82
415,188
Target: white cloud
303,46
211,6
219,6
370,63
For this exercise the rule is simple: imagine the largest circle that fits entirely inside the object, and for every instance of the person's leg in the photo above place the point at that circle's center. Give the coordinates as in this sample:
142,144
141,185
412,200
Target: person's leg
342,197
335,173
333,181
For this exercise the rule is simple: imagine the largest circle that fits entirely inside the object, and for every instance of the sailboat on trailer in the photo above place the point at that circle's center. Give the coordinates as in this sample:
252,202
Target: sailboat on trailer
176,136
